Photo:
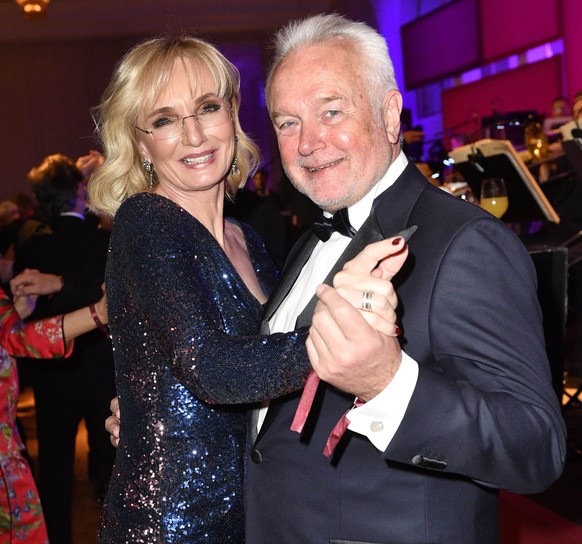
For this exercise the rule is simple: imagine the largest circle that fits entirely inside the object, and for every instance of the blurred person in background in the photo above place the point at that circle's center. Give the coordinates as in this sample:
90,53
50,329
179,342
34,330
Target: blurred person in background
59,240
9,216
21,517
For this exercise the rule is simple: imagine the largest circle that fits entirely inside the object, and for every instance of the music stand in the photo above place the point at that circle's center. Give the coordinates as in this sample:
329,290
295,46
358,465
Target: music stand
498,159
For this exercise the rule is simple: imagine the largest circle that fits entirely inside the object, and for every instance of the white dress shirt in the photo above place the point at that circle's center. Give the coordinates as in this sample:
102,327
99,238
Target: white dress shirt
380,417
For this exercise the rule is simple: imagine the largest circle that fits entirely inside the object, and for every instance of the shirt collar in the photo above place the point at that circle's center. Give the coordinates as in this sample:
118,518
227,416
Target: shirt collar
359,212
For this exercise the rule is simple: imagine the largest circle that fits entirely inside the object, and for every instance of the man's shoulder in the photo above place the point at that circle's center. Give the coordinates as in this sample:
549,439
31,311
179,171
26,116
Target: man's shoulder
71,228
413,196
31,228
454,207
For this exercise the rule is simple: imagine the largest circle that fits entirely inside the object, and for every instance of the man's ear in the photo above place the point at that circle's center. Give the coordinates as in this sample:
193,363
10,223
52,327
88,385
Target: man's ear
391,109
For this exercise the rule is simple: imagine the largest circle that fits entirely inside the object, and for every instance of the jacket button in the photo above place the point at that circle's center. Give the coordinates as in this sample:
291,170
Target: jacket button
256,457
416,460
426,462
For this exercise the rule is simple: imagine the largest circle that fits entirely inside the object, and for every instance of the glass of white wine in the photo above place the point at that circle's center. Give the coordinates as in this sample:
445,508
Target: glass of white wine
494,196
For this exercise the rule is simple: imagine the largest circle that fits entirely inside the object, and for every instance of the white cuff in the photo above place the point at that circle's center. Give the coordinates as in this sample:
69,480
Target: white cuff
379,418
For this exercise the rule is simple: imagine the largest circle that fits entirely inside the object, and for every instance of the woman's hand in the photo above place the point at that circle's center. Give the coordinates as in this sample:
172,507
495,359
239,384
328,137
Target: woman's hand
101,307
365,282
28,285
24,305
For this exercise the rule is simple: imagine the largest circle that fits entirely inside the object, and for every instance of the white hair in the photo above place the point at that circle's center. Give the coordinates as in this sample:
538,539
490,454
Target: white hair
332,28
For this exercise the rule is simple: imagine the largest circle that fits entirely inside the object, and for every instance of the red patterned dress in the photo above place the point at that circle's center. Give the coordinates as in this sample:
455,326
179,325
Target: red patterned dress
21,518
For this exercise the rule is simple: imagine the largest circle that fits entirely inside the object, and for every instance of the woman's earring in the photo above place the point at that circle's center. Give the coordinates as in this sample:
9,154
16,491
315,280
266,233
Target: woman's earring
233,169
149,168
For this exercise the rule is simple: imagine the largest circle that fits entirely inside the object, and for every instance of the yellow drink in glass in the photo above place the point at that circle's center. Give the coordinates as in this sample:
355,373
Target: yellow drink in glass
496,205
494,196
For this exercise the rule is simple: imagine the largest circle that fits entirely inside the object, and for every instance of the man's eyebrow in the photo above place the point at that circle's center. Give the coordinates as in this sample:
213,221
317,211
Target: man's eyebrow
332,98
279,114
322,100
318,101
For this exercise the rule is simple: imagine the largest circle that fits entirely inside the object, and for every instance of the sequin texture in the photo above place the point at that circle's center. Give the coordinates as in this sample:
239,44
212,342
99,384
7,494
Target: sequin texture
187,367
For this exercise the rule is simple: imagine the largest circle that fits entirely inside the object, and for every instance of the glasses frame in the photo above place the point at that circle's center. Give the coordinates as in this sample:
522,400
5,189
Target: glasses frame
224,105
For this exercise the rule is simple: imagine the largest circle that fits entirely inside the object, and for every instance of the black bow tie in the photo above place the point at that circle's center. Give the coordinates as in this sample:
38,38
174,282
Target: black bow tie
340,222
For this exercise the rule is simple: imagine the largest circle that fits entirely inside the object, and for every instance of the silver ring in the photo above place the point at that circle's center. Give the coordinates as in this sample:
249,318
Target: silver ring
367,301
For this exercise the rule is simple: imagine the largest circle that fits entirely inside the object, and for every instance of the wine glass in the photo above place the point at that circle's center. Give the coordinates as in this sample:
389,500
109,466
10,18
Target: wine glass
494,196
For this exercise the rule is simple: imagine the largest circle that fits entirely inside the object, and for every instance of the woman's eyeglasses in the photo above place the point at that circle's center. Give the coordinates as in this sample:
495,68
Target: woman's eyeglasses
210,115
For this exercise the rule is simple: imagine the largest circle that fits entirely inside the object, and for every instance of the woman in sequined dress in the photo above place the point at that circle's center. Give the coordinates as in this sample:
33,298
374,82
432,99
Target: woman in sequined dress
185,292
21,517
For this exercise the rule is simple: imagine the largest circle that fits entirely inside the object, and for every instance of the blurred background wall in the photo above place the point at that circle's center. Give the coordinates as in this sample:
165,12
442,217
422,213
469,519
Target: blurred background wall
457,62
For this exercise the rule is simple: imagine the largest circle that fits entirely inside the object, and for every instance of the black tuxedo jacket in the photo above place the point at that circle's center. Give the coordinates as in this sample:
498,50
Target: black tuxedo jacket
483,415
77,250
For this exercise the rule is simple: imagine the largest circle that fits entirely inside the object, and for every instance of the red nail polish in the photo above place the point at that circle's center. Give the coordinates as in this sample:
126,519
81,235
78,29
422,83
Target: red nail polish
398,330
396,241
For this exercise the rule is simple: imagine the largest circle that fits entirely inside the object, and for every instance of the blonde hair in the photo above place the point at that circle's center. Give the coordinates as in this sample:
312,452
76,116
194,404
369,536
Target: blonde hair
138,80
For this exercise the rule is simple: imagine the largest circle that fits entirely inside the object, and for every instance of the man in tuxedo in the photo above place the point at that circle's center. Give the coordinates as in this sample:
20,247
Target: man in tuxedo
60,240
461,404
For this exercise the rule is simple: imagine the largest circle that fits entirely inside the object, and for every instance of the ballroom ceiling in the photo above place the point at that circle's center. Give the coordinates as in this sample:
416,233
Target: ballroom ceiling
75,18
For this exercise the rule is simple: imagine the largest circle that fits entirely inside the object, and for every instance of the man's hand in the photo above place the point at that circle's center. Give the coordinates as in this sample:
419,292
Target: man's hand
88,163
113,422
357,351
33,282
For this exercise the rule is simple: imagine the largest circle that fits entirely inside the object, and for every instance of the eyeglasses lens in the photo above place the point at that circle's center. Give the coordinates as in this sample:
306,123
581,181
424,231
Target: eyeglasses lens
207,117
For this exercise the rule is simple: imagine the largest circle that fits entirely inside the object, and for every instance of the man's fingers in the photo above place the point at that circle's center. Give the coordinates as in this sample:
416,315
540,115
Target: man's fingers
381,324
341,316
114,407
316,347
112,423
112,427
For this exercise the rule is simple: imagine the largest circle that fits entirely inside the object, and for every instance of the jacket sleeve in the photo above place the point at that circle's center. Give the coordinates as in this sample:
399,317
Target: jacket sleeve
175,296
484,407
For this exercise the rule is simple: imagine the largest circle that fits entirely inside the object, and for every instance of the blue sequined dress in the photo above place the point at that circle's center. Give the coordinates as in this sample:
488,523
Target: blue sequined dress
182,323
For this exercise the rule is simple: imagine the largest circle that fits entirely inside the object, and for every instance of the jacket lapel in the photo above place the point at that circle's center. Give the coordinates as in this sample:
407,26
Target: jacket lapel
288,280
